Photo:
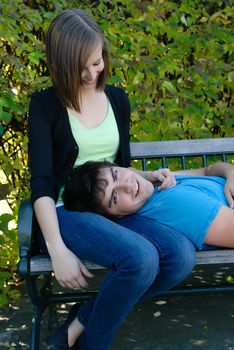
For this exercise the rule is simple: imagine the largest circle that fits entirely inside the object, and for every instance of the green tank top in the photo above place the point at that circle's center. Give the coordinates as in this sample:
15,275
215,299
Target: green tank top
97,144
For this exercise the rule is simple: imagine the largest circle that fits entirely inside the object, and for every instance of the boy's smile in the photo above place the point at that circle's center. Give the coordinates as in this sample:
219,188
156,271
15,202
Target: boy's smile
125,192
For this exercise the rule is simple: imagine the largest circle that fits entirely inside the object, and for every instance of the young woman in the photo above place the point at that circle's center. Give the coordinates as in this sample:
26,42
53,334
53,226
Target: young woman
80,118
196,206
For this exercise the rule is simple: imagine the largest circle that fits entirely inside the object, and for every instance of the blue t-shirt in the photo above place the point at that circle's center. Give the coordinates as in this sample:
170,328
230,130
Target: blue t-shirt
189,207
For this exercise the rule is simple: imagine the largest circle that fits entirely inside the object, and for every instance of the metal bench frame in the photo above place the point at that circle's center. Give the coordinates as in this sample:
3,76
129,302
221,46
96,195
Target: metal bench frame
31,267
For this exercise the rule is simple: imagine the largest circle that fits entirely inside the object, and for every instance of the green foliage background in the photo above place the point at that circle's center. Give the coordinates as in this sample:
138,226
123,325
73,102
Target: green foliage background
174,59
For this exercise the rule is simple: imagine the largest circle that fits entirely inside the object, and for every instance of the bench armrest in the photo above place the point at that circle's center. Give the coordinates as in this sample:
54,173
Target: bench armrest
25,217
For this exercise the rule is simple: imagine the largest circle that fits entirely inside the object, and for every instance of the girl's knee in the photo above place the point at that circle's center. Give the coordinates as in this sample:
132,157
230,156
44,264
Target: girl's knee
179,257
185,257
142,265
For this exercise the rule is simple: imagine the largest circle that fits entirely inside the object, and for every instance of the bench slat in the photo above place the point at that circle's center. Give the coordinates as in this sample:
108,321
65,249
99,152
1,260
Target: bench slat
177,148
212,257
42,263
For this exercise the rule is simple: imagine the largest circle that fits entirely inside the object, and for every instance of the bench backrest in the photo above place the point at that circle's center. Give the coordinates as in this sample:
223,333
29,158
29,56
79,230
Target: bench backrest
183,149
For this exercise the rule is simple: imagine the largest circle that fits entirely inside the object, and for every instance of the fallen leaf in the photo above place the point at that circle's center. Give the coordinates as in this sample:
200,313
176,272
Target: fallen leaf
157,314
160,302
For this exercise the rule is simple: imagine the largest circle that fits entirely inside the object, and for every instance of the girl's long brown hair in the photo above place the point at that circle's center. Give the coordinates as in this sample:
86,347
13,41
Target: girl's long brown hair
71,38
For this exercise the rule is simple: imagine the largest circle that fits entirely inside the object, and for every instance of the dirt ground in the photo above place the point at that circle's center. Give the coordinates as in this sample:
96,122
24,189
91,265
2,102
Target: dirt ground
197,322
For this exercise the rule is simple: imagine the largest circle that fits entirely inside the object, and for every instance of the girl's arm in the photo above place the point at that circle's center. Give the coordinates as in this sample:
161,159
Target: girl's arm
217,169
69,270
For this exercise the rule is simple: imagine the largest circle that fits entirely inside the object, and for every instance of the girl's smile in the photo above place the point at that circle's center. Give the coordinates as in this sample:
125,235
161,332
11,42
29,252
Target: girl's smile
93,68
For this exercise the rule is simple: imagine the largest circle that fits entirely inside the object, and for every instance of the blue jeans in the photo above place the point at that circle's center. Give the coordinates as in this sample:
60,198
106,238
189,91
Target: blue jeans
144,259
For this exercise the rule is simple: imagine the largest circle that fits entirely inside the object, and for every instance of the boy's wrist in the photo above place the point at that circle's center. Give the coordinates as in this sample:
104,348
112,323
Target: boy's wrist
230,175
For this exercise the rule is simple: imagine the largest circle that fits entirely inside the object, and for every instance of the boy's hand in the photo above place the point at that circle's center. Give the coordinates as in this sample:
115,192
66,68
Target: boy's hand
164,178
229,191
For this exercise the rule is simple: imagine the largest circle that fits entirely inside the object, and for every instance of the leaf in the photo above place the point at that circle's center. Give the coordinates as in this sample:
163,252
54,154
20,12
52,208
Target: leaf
36,56
3,299
211,94
2,129
169,87
229,279
183,20
160,302
157,314
230,76
5,117
115,79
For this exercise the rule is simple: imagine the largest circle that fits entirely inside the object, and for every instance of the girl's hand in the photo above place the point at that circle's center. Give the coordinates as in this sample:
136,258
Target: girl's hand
69,270
229,191
164,178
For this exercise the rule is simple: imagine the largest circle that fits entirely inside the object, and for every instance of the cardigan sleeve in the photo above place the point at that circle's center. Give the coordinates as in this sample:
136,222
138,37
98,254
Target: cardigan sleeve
121,106
40,149
125,144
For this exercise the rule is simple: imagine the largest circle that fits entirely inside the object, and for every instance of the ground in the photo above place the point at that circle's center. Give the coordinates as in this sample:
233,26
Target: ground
194,322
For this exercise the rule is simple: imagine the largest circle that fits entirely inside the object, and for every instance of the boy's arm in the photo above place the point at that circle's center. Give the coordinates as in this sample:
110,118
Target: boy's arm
217,169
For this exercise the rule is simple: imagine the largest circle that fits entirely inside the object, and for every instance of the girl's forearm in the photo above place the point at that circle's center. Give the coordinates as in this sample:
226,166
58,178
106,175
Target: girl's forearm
45,211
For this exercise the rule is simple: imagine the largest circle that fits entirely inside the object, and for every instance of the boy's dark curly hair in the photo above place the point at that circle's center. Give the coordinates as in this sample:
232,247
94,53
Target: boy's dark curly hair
84,187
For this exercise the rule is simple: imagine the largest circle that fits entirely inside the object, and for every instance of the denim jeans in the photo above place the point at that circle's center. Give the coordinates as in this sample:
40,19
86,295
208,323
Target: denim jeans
143,259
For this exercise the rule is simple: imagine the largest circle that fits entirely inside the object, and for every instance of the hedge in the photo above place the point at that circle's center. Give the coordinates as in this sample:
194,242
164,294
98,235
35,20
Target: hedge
174,59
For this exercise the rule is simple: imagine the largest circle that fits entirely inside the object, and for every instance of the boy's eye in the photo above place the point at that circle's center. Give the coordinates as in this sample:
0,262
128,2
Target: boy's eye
114,198
115,175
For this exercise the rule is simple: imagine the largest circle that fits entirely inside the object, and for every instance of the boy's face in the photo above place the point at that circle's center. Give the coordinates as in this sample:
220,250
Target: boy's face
126,191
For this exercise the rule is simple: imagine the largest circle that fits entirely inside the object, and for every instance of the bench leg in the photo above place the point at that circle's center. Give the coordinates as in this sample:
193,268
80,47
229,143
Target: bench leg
53,323
39,299
35,328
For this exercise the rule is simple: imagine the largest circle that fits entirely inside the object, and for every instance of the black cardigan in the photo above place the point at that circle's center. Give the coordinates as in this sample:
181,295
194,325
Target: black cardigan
52,148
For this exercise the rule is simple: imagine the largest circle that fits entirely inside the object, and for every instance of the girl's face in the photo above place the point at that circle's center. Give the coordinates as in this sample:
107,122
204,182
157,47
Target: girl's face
94,66
125,192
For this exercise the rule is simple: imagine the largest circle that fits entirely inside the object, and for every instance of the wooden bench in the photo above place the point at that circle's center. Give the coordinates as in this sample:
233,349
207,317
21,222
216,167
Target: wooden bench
37,269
